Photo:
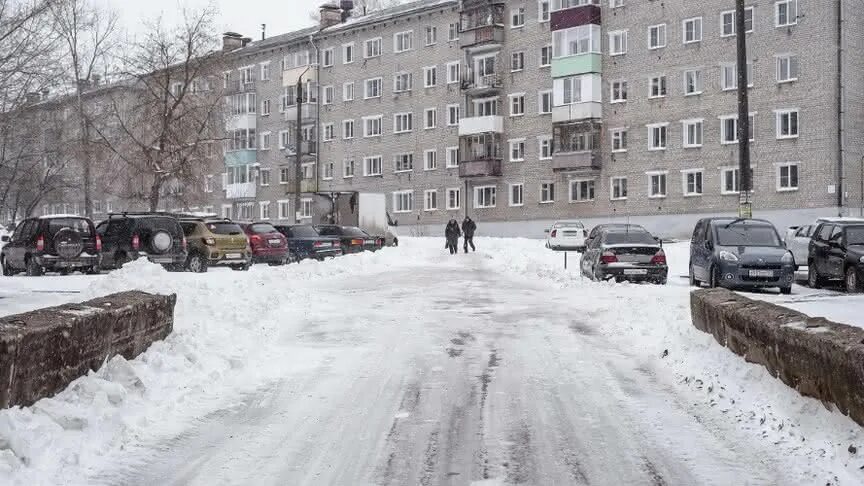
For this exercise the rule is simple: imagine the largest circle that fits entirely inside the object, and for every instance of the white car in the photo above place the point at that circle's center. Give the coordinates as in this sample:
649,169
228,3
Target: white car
566,235
798,238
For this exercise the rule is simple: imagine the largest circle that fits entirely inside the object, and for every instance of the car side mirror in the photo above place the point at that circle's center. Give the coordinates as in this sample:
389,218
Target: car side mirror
4,239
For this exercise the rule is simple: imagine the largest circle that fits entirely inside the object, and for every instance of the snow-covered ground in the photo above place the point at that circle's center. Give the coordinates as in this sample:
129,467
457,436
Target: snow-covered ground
410,366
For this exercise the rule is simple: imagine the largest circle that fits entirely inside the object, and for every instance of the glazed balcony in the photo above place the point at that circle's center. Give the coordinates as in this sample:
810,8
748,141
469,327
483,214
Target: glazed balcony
588,161
481,124
483,36
476,85
488,167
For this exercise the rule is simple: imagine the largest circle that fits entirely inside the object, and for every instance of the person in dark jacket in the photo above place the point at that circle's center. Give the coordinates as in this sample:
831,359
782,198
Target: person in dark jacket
468,229
452,234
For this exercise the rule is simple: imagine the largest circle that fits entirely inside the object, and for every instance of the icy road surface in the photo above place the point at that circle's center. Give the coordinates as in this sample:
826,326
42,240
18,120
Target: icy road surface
410,366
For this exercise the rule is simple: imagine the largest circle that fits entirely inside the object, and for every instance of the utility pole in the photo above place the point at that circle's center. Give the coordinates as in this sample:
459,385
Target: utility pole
745,184
298,134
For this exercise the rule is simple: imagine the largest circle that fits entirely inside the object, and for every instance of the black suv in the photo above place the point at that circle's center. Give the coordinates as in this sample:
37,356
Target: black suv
837,253
129,236
52,243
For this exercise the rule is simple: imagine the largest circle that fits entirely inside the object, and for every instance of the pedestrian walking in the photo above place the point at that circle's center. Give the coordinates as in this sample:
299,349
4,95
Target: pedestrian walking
452,233
468,229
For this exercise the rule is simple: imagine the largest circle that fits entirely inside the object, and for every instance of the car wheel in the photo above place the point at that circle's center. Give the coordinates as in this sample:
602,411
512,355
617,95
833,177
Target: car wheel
853,286
33,268
693,281
196,263
64,271
813,278
786,290
7,272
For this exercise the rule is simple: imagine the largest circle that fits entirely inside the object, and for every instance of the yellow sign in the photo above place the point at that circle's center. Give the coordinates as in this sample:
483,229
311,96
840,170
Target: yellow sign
745,210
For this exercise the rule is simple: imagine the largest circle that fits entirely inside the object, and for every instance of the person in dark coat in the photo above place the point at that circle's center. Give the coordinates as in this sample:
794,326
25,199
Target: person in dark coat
468,229
452,234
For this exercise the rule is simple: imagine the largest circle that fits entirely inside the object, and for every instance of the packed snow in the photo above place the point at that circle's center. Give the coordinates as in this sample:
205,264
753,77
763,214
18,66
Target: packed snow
410,366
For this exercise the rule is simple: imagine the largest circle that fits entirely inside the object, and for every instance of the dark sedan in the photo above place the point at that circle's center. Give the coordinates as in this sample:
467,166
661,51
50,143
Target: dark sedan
625,255
353,239
305,242
837,253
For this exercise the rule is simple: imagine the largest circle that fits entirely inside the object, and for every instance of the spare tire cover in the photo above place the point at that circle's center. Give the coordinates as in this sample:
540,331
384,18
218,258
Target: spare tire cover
161,241
68,243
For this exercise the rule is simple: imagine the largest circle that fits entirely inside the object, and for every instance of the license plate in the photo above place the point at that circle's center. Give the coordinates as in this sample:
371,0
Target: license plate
761,273
162,260
233,256
635,271
274,241
325,245
370,242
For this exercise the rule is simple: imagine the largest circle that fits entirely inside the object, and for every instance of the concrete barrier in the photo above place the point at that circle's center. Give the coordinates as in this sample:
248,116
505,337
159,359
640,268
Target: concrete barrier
41,352
816,357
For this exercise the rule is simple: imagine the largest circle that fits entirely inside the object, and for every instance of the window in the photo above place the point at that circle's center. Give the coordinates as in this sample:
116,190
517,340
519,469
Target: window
328,95
729,180
544,143
517,61
619,139
305,208
618,188
692,82
284,209
581,190
657,36
547,192
454,199
657,87
430,200
372,48
517,104
430,118
264,177
574,41
692,30
545,56
616,3
618,43
329,54
372,166
787,177
569,89
485,106
348,91
265,108
544,102
328,171
403,162
284,175
452,115
430,160
786,13
264,209
265,71
452,157
403,201
787,123
453,32
692,182
787,68
430,35
658,184
265,141
430,77
729,128
403,41
517,150
372,126
452,72
327,132
403,122
403,82
348,168
729,76
484,196
727,22
348,53
517,17
619,91
247,76
657,136
516,193
241,139
347,129
208,187
373,88
692,133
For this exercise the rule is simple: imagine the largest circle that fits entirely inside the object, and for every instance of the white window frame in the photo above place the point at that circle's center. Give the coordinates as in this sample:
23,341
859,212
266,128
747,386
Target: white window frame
380,119
661,29
723,190
450,71
622,34
404,77
699,84
427,71
434,119
265,71
328,95
346,59
399,204
724,118
662,83
547,139
430,35
578,182
328,132
651,146
544,15
451,161
406,119
493,197
427,166
618,83
374,41
685,133
510,200
306,208
516,143
517,15
265,107
453,32
547,192
658,173
430,196
514,56
283,207
348,91
399,44
451,122
734,22
786,165
696,21
366,166
791,72
545,94
685,183
791,13
348,168
454,190
734,67
621,188
328,52
511,99
405,159
778,116
284,175
616,3
379,81
265,140
616,134
345,125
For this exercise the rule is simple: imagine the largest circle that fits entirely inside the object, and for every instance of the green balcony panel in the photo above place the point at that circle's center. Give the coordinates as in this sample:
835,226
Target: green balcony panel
573,65
240,157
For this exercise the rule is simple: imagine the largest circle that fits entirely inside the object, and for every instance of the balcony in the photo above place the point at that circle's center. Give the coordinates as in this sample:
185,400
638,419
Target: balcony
308,112
481,124
242,190
480,168
576,65
237,86
482,37
575,17
588,161
577,111
482,85
308,185
241,157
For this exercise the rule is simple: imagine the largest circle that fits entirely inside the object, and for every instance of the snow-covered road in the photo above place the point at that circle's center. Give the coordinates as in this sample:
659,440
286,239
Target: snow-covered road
413,367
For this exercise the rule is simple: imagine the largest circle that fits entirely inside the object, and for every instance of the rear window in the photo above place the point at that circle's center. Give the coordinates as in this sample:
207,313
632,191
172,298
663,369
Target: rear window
81,226
855,235
632,237
262,228
329,231
188,228
158,223
569,225
224,228
303,232
747,235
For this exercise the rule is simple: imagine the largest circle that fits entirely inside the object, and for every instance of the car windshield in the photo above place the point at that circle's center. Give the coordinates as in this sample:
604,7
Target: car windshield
224,228
747,235
79,225
303,232
628,237
262,228
855,235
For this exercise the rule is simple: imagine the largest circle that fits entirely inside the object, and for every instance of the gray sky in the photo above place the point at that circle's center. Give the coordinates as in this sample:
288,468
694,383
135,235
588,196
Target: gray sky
243,16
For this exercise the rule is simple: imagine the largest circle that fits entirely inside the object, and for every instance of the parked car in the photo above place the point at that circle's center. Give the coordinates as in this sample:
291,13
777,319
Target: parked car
625,255
266,243
798,237
213,242
597,230
130,236
566,235
353,239
740,253
305,242
51,243
837,253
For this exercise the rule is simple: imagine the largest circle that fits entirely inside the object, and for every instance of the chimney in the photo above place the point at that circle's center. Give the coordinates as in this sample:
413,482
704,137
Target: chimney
263,31
244,41
347,6
331,15
231,41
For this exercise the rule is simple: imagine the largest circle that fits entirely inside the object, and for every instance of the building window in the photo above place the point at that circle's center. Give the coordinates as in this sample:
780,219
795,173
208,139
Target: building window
692,182
657,87
430,34
545,56
729,129
208,188
547,192
618,43
403,122
328,94
284,209
265,108
543,11
328,132
692,82
372,166
787,68
657,36
452,159
581,190
348,169
517,104
727,27
247,76
430,160
372,48
616,3
517,61
657,136
347,129
403,82
517,17
452,72
545,147
372,126
786,13
619,139
692,30
452,115
517,150
264,209
658,184
403,201
403,162
787,123
305,208
453,32
265,71
430,200
454,198
348,91
544,102
328,171
373,88
618,91
284,175
729,180
403,41
729,76
516,194
348,53
787,177
692,133
570,90
618,188
430,118
484,196
329,54
264,177
265,141
574,41
430,77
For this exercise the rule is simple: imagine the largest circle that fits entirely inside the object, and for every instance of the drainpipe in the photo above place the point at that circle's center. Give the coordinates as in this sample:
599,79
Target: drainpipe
317,115
841,110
